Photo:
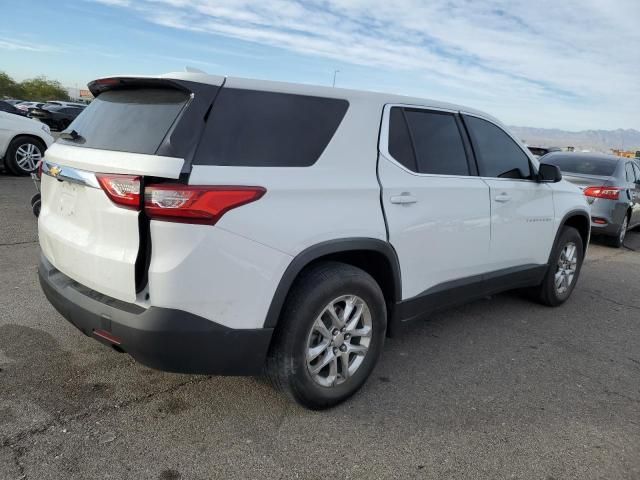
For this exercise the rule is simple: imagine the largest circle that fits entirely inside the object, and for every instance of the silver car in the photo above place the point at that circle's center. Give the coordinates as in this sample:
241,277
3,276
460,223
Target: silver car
611,185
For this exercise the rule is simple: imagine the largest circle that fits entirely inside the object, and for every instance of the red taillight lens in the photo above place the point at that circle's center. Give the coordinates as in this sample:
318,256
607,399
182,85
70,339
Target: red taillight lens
609,193
195,204
123,190
40,168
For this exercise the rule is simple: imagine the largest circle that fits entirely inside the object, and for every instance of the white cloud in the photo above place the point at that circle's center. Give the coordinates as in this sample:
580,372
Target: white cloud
571,63
17,45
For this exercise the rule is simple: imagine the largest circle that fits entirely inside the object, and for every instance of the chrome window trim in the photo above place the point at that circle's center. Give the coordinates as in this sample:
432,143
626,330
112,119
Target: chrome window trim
383,144
71,175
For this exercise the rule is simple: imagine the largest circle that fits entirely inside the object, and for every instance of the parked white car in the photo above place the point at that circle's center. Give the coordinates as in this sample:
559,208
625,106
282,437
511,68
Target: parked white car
219,225
23,142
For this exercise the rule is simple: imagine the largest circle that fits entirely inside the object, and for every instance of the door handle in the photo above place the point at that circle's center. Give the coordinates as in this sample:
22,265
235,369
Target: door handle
503,197
404,199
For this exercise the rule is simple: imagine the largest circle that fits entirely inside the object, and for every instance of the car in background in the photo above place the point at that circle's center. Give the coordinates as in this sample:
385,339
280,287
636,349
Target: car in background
27,107
23,142
64,103
58,117
13,101
611,185
9,108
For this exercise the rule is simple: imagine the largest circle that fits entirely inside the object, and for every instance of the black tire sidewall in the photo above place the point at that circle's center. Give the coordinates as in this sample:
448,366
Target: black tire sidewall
305,310
568,234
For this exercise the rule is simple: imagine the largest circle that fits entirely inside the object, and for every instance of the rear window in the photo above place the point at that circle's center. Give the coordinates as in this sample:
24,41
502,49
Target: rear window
131,120
584,165
266,129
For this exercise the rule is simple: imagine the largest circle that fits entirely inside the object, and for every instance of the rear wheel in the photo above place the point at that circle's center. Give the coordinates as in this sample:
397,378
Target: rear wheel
564,269
618,240
23,155
330,335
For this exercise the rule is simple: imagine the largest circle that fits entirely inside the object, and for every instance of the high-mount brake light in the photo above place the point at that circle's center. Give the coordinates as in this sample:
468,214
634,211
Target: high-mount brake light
608,193
123,190
172,202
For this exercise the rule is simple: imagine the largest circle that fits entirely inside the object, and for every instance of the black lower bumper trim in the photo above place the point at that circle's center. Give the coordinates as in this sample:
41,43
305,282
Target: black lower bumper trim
162,338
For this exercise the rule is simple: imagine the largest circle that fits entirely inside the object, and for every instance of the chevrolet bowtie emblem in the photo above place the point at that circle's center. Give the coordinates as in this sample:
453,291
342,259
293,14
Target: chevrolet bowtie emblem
55,171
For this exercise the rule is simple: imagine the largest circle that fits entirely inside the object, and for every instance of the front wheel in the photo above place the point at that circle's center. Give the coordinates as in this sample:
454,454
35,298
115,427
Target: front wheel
23,155
329,337
564,269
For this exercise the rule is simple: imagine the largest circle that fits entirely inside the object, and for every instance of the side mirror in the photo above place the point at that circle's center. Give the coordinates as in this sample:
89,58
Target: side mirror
549,173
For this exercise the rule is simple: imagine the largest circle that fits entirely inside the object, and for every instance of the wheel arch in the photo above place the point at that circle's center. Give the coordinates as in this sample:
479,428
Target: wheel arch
28,135
581,221
376,257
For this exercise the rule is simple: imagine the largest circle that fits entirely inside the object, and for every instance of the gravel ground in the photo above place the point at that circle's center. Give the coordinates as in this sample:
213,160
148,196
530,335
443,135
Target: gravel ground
500,388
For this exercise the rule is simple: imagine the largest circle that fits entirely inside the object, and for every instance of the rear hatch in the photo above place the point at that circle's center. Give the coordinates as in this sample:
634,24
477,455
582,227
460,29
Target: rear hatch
91,226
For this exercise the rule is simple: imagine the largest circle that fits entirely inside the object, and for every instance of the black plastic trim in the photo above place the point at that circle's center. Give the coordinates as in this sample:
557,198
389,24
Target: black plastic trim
162,338
567,216
457,292
327,248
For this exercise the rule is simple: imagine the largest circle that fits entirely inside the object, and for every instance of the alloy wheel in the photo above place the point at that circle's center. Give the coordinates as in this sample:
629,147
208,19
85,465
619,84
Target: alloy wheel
27,157
566,268
623,230
339,340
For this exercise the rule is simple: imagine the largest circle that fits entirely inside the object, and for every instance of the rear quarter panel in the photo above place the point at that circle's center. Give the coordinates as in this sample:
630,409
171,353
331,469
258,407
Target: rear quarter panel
337,197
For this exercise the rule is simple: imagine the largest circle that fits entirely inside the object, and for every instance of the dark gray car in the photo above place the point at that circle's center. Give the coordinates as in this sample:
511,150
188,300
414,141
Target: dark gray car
612,187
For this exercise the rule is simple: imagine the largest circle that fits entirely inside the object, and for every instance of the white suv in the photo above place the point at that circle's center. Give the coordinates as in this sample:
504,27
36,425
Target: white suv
22,143
219,225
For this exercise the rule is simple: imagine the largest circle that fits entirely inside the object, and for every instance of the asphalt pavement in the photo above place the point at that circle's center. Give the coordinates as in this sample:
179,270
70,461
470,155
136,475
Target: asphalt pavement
500,388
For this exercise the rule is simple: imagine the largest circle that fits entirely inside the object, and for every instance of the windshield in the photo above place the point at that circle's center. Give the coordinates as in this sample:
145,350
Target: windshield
602,167
131,120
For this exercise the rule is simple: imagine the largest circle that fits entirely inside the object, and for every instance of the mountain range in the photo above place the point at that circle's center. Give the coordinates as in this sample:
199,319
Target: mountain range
594,140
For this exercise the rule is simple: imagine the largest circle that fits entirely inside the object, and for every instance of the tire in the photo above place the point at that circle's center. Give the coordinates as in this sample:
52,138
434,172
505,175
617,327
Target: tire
547,292
618,240
324,287
23,155
36,208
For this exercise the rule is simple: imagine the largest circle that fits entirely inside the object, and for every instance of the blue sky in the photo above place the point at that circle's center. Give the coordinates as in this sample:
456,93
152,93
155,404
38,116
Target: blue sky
572,64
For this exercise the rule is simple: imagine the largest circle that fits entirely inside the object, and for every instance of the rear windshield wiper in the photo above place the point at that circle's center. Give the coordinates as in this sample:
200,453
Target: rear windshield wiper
73,136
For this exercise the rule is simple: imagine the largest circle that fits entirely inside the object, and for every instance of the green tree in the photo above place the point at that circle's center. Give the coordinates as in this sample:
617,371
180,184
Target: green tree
42,89
9,87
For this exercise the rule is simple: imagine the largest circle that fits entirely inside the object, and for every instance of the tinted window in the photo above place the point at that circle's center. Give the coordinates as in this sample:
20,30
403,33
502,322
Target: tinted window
583,165
497,154
400,146
636,168
132,120
268,129
437,141
5,107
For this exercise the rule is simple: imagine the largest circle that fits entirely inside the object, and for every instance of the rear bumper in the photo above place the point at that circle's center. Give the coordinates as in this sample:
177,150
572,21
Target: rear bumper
162,338
607,216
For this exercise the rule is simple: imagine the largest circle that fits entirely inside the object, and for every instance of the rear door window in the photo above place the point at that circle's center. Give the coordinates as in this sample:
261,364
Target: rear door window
130,120
497,154
249,128
427,141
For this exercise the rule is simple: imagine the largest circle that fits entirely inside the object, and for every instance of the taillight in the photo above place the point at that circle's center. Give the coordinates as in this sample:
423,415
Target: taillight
123,190
609,193
195,204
